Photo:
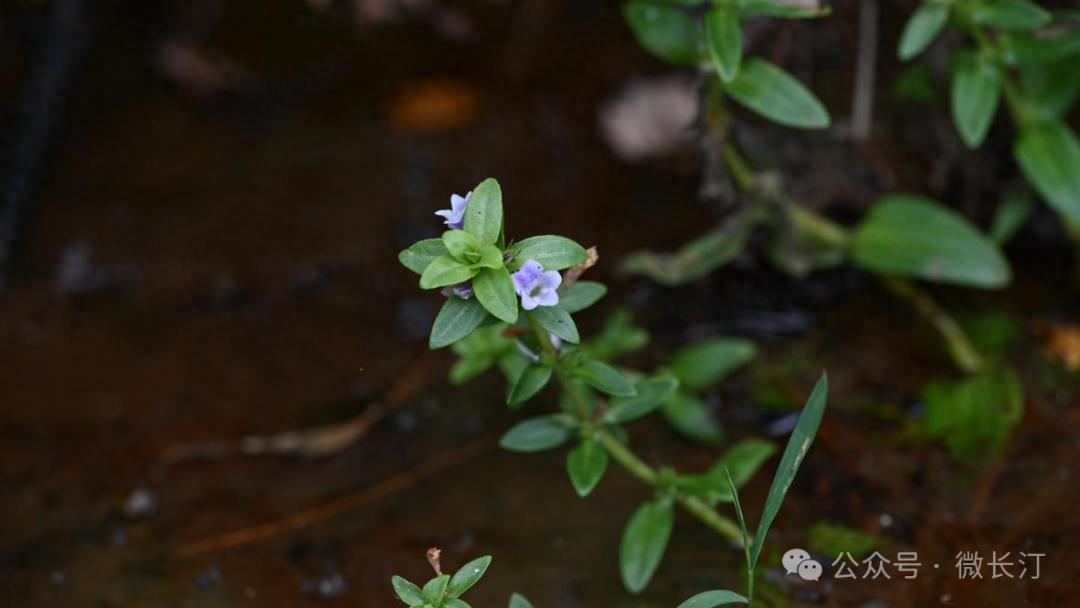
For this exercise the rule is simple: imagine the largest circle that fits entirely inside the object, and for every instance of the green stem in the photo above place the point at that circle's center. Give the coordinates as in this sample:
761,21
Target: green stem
957,343
630,461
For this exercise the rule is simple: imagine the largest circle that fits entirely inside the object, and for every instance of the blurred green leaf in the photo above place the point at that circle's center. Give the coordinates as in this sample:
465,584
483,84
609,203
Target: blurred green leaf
696,258
552,252
495,292
974,415
406,591
467,368
783,10
444,271
651,393
518,601
916,83
643,543
922,29
834,539
586,464
739,462
456,603
777,95
688,414
467,575
1049,155
1009,14
604,378
711,599
1051,88
536,434
1014,210
976,88
709,361
724,38
457,319
917,237
557,322
665,31
797,447
532,380
421,254
484,213
618,336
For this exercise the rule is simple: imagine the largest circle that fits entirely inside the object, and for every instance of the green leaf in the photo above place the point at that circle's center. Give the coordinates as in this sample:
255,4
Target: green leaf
518,601
467,368
467,575
456,603
484,213
444,271
1050,88
697,258
495,291
976,89
740,462
834,539
1049,155
536,434
973,415
783,10
550,251
435,589
739,515
586,464
421,254
618,336
922,29
797,447
457,319
917,237
709,361
710,599
1014,210
490,257
459,243
406,591
666,32
532,380
1010,14
643,543
581,295
777,95
605,378
724,39
651,394
689,415
556,321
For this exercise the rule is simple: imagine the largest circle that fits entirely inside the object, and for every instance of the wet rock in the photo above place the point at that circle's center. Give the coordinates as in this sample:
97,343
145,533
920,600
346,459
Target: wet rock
141,504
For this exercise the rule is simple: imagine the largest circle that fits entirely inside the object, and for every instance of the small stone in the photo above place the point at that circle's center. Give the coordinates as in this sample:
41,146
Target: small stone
141,504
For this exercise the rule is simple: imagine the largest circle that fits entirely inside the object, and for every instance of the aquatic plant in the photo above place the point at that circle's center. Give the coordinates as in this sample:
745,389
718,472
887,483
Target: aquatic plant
518,315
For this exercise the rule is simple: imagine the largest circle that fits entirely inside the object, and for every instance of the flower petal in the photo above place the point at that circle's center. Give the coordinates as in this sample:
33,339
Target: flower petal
552,279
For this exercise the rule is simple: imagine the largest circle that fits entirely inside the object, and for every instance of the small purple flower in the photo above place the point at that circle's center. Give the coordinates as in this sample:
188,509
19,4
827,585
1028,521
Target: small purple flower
455,215
536,287
461,290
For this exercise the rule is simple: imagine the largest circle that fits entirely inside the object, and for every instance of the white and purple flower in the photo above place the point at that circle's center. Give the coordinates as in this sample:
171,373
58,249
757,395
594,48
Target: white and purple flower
455,215
536,287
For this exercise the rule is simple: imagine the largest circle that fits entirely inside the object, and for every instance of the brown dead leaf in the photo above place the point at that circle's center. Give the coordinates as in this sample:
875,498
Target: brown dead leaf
1062,342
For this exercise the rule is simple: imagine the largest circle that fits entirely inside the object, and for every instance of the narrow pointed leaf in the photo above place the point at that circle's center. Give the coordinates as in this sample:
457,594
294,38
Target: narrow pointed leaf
777,95
457,319
406,591
495,291
484,213
797,447
535,434
976,89
532,380
467,575
643,544
738,510
724,39
585,465
922,29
